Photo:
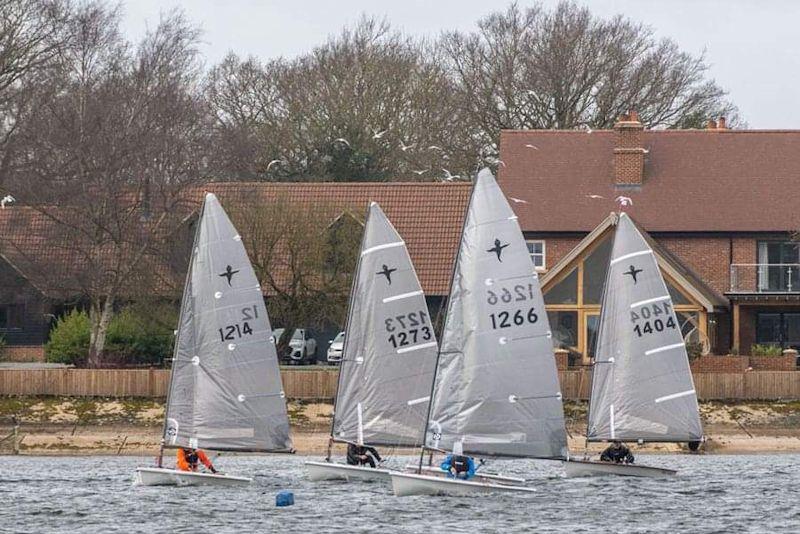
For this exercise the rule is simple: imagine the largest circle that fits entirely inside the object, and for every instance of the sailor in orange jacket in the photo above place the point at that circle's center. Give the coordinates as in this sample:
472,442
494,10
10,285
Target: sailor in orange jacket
188,460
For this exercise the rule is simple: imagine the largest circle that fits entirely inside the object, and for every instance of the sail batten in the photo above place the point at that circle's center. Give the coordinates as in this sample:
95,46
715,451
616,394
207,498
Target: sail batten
225,368
642,387
390,347
496,391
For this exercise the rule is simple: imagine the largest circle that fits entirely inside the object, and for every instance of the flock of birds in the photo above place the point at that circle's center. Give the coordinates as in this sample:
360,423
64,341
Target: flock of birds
448,176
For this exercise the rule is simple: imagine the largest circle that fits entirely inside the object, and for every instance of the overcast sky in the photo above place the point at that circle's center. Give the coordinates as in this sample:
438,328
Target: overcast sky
752,46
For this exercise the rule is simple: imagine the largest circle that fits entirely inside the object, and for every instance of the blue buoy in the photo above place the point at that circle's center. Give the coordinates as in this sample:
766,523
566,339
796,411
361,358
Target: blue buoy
284,498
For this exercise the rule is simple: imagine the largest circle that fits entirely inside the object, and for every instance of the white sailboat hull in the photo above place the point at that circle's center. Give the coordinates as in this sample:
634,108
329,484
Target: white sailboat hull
318,471
591,468
156,476
406,484
480,476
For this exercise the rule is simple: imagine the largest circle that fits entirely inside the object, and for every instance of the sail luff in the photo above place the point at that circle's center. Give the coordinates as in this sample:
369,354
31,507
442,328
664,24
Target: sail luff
642,387
496,391
353,285
427,429
185,296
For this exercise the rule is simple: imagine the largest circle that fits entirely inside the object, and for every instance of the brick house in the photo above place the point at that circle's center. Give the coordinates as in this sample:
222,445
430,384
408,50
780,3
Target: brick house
428,216
720,206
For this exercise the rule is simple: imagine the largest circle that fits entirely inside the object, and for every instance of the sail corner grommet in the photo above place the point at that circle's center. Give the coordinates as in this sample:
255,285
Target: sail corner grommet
489,281
218,295
231,346
503,340
196,360
237,237
241,398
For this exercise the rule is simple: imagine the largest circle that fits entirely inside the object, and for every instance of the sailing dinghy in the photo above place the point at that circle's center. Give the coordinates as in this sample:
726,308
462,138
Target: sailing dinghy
496,391
389,354
642,388
225,393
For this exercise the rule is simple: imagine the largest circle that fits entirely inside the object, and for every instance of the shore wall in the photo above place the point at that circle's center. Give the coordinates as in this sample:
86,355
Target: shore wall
320,383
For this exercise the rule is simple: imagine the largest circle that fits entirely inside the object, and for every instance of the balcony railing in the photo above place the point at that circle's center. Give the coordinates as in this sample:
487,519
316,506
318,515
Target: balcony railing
765,278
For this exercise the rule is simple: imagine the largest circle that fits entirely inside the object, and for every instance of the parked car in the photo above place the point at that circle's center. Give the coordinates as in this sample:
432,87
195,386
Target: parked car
302,347
335,349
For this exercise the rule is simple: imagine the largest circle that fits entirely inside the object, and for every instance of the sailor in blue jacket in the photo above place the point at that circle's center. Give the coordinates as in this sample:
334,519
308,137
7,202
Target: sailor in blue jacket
457,465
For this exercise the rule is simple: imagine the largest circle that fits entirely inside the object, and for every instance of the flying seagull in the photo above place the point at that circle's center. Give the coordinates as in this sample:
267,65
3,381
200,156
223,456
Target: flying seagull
624,201
342,140
532,146
518,200
273,162
377,135
434,147
420,172
450,177
8,199
405,147
595,196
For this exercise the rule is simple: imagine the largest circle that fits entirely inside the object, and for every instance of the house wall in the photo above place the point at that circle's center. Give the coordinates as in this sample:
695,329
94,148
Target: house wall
14,289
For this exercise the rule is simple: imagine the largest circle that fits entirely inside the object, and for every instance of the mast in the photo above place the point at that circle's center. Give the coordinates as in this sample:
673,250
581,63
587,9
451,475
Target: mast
444,326
345,352
184,297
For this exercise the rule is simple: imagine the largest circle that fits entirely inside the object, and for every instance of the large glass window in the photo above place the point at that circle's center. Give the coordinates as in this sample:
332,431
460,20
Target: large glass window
594,272
11,316
780,329
564,292
592,327
778,268
564,325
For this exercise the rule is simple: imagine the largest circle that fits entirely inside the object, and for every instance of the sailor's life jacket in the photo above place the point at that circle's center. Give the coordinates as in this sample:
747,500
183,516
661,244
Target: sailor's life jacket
189,460
463,466
460,463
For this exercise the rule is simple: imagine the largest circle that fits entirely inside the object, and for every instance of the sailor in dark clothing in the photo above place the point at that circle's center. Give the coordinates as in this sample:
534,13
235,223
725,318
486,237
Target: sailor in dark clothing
362,455
618,453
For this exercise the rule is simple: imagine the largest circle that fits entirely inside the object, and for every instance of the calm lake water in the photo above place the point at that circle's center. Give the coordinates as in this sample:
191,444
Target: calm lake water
711,494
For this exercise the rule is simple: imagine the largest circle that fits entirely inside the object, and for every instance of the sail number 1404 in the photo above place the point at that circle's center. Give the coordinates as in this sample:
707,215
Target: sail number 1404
656,317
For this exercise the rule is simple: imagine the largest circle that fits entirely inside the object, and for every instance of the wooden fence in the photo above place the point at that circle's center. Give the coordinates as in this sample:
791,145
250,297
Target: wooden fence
320,383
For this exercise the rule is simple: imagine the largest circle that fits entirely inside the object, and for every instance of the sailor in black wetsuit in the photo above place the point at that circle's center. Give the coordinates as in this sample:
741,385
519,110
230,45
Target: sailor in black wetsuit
362,455
618,453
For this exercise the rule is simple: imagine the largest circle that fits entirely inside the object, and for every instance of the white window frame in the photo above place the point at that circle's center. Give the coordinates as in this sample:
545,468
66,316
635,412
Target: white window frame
543,254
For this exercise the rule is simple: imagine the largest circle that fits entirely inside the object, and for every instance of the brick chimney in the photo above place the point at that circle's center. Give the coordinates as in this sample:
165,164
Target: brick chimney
721,124
628,151
711,124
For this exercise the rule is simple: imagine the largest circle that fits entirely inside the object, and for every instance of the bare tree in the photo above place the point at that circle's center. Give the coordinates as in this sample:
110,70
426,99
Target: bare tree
367,105
118,134
31,34
304,256
536,69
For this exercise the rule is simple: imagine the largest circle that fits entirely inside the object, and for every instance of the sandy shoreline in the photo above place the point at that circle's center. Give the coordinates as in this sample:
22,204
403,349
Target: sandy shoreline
88,427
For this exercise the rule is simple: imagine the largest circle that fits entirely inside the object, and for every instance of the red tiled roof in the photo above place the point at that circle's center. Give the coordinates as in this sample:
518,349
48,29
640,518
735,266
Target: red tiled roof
694,180
428,215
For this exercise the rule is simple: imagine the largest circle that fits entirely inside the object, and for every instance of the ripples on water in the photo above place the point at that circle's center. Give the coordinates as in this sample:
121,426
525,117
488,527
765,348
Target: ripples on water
724,494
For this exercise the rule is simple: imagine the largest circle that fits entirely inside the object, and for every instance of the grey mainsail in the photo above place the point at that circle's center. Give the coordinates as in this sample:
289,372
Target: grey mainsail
496,390
390,349
225,392
642,386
